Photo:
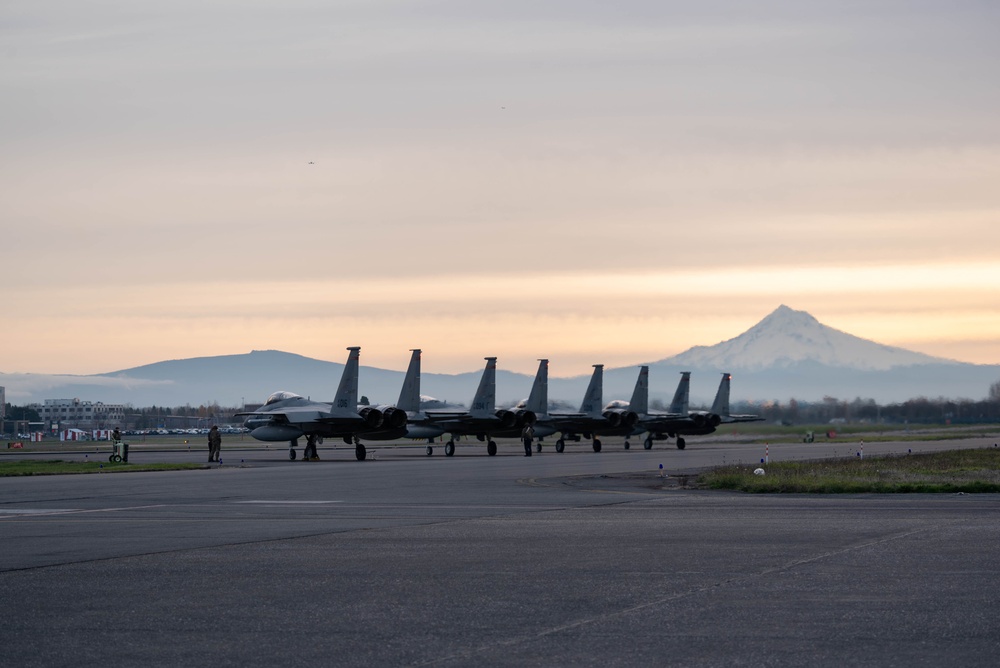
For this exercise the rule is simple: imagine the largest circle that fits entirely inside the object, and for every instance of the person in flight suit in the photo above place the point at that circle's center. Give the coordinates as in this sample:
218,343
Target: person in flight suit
214,444
527,436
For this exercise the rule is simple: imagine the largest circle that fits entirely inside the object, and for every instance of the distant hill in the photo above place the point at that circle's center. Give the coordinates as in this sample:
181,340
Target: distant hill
787,354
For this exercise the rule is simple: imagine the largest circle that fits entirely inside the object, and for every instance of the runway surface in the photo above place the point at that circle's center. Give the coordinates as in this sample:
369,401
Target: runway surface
476,560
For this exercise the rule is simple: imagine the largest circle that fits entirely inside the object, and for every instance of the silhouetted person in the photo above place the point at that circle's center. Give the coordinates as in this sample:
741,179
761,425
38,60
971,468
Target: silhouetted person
310,454
214,444
527,435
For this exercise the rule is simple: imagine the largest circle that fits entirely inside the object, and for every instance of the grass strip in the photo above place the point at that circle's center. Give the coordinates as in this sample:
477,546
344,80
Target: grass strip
59,467
969,471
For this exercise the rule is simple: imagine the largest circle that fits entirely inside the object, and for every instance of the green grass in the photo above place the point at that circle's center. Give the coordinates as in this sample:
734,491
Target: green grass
757,432
58,466
973,470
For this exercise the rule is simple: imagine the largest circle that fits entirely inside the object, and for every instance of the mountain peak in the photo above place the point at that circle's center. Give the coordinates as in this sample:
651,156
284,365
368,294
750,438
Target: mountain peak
786,313
786,337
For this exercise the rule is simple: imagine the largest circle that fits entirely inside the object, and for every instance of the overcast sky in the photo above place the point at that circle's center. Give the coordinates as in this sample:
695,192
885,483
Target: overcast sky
590,182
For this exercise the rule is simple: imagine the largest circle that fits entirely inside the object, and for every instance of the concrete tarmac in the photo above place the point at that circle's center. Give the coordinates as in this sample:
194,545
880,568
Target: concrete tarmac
578,558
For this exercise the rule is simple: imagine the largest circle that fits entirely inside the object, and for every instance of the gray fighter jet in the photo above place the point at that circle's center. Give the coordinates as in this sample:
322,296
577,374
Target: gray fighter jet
415,423
679,421
287,416
593,420
482,420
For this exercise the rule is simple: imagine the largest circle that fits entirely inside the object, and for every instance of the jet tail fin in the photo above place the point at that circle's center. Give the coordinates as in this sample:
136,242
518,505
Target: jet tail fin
593,398
485,401
679,405
409,395
347,393
538,398
640,395
720,406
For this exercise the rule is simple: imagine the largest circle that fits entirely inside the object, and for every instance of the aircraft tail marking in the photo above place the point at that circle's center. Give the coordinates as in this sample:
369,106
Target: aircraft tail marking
640,395
593,398
720,406
681,396
347,393
538,398
409,395
485,401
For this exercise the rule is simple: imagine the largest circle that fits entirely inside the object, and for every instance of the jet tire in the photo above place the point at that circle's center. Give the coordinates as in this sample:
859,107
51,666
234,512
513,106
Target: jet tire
647,444
560,445
680,443
360,452
627,445
597,445
449,449
491,449
291,455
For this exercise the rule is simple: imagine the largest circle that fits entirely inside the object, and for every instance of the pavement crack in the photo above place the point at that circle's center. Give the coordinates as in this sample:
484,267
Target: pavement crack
664,600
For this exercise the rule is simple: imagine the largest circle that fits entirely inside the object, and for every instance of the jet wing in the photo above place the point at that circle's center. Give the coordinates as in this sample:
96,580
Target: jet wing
578,422
290,415
732,419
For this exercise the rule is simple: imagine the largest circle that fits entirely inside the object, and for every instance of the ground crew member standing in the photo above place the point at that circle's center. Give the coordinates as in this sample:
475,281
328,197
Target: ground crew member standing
214,444
310,454
527,436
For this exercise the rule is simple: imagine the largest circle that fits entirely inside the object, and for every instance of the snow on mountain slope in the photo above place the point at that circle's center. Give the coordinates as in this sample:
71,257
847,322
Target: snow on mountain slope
786,337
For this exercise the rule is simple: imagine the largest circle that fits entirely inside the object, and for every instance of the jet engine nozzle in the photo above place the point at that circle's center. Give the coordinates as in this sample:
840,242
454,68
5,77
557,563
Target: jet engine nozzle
614,418
630,419
698,419
508,419
371,416
525,418
393,418
714,420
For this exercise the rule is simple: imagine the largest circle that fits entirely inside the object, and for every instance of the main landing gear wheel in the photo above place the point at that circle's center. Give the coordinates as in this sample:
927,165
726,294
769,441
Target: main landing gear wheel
360,452
538,447
491,449
647,444
597,445
449,449
430,451
560,445
680,443
291,455
627,445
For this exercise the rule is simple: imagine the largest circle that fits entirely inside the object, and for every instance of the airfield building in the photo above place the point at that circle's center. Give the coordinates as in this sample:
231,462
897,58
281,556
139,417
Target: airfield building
80,414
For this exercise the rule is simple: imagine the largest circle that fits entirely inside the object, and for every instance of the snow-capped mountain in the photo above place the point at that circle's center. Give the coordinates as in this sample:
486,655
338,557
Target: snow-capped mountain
786,337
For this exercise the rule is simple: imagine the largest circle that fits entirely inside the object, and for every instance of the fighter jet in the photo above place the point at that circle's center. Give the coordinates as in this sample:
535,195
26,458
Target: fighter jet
483,420
592,420
286,416
679,421
537,403
415,423
720,406
657,424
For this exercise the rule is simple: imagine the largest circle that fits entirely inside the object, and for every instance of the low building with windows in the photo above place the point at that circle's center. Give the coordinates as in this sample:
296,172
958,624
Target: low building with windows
58,413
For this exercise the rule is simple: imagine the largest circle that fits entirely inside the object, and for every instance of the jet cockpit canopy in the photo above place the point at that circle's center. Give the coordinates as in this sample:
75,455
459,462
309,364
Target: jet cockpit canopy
280,396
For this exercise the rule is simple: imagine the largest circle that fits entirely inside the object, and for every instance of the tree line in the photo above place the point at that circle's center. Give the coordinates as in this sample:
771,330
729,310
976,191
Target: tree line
920,410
